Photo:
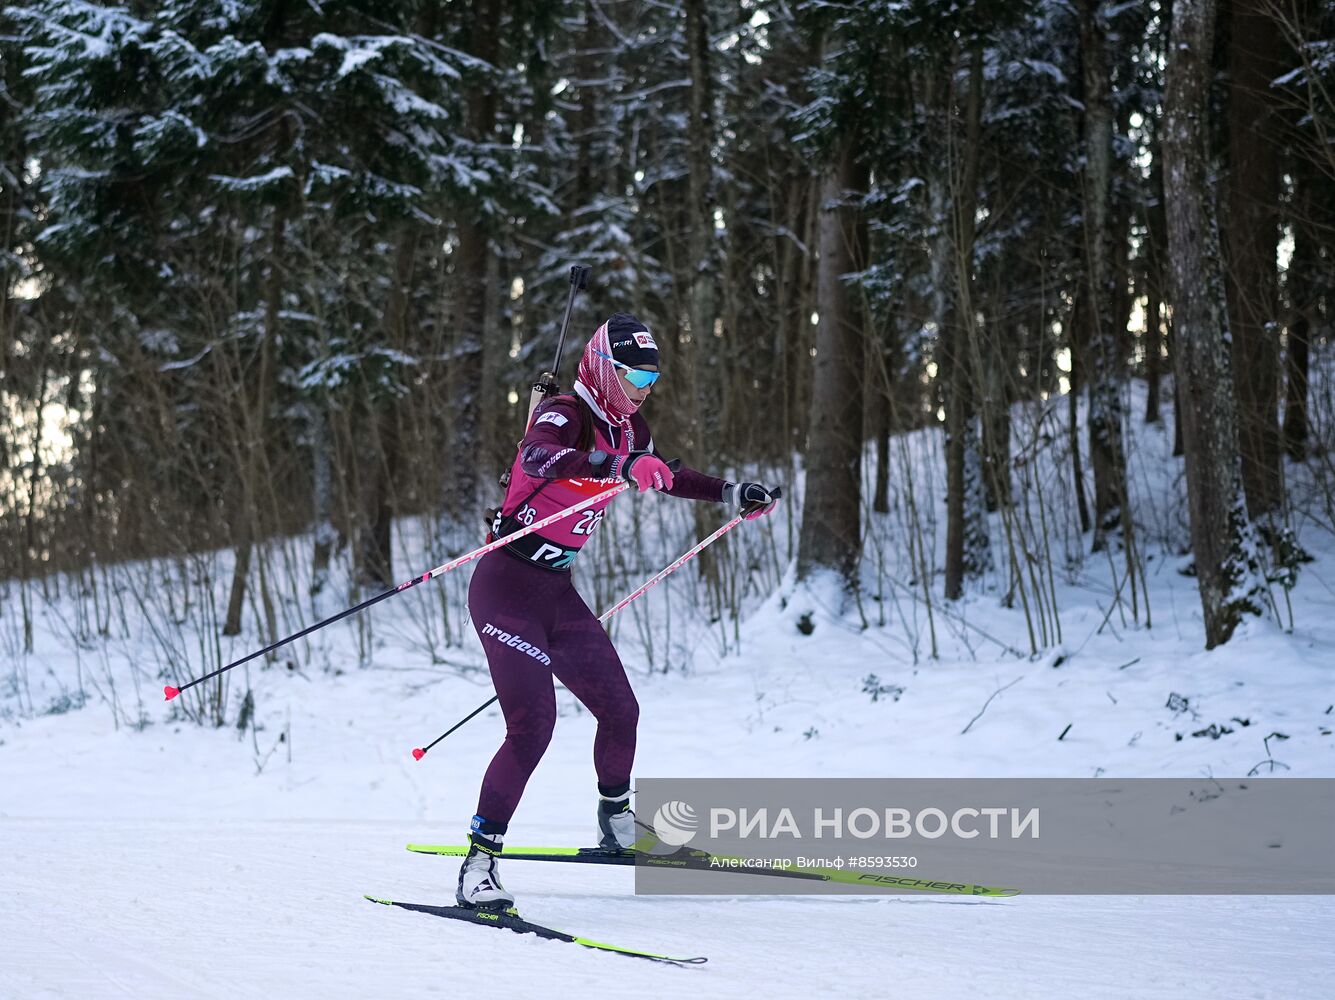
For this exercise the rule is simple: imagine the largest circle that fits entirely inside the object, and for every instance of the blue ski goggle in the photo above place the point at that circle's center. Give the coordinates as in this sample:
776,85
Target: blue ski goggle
636,377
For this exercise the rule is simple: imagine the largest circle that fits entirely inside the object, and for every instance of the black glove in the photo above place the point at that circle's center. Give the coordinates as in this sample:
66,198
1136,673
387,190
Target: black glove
754,499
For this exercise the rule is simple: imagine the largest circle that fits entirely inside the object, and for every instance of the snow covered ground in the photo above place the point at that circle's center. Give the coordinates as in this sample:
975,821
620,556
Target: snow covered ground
169,860
235,908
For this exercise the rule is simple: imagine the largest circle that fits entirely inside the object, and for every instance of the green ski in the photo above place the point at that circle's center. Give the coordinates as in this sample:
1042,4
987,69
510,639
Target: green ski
704,861
512,921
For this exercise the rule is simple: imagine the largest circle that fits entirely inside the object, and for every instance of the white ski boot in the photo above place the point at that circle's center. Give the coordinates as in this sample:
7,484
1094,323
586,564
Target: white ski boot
616,823
479,884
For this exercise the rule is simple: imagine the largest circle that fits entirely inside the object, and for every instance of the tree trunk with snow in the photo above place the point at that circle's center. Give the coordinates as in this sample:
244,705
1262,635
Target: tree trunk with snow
1220,531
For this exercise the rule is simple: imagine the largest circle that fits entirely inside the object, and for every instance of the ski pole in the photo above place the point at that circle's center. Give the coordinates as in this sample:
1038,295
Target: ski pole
649,584
671,568
172,692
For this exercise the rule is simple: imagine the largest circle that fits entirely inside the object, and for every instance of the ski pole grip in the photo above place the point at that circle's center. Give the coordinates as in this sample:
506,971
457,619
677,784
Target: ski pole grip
754,505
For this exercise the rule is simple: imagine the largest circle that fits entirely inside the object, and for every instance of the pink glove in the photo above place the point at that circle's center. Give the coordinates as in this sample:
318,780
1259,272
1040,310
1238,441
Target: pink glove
647,472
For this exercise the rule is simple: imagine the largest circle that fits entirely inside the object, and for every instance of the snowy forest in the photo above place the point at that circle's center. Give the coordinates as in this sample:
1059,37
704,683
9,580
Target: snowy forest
278,267
282,267
1027,305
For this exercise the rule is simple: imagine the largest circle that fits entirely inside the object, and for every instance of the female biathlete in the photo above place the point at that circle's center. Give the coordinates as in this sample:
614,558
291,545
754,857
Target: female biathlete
532,623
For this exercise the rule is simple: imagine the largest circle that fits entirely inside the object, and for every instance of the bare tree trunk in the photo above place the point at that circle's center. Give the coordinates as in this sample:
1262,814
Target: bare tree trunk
493,454
880,383
968,552
1156,270
1296,381
702,261
1077,337
1153,355
375,549
1310,282
460,488
380,458
322,496
881,496
942,310
1178,448
996,419
789,262
1302,304
252,427
236,596
1220,531
831,532
466,377
1251,232
1105,407
1157,220
799,258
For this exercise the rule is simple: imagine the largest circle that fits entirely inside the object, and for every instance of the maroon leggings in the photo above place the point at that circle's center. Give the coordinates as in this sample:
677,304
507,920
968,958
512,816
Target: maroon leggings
533,626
